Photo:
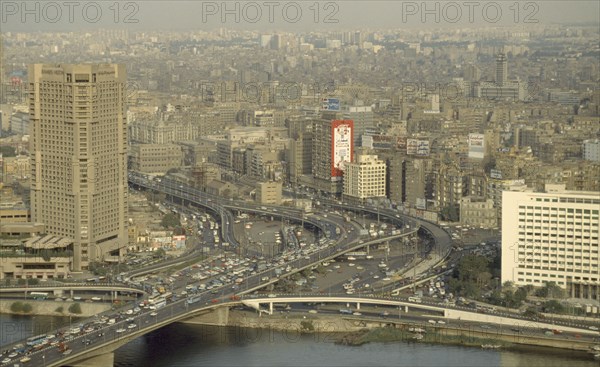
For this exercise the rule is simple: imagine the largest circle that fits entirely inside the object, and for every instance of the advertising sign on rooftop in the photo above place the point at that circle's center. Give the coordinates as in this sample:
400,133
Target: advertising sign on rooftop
342,135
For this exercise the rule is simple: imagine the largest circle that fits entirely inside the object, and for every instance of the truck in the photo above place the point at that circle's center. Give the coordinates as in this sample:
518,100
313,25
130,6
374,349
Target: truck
62,347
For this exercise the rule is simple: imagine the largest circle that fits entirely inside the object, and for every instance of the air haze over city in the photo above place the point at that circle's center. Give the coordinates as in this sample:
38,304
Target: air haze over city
397,183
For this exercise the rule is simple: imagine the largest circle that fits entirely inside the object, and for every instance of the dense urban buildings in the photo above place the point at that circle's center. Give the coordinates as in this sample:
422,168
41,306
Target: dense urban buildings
552,236
79,157
456,118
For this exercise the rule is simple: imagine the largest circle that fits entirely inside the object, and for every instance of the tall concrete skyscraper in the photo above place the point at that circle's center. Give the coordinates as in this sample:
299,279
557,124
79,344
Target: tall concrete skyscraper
79,156
501,69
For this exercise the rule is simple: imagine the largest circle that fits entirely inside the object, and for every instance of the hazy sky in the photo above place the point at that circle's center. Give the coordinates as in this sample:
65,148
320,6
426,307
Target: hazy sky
74,15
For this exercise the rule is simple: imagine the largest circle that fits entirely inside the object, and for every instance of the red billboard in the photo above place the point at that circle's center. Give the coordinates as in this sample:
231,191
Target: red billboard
342,146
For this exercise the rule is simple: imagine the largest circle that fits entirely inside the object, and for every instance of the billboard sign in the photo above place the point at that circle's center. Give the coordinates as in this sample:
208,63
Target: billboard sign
417,147
330,104
342,146
476,146
496,174
423,148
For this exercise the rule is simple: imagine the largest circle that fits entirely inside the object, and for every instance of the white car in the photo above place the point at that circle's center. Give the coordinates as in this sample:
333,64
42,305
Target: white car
153,313
121,330
131,326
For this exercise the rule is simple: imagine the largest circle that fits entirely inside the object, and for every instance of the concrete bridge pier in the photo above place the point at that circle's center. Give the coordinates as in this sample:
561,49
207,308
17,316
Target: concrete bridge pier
102,360
270,308
357,306
71,292
406,309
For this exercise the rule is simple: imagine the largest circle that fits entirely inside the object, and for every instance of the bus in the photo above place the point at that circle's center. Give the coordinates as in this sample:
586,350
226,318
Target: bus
36,340
39,295
194,299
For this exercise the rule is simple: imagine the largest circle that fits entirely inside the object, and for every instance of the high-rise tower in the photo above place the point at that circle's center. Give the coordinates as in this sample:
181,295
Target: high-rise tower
501,69
79,156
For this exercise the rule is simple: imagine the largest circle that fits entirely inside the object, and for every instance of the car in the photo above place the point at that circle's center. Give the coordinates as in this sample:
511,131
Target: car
6,360
441,322
593,328
121,330
131,326
357,313
153,313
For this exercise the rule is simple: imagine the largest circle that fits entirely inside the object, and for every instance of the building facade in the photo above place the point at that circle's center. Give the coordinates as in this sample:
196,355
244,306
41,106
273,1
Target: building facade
365,178
552,237
155,158
478,212
79,157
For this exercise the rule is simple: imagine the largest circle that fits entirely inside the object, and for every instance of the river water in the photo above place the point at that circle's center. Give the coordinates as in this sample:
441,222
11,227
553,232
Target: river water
197,345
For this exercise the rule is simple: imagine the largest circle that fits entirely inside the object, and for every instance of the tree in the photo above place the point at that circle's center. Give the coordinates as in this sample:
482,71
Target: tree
170,220
160,253
520,296
450,213
16,306
307,326
59,309
553,306
34,281
8,151
75,308
554,291
550,290
27,308
531,311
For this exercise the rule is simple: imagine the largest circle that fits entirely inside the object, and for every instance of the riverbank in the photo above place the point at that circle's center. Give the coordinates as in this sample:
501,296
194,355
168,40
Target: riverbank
353,332
51,308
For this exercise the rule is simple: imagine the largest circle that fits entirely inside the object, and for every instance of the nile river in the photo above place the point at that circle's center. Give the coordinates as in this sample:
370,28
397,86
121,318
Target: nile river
197,345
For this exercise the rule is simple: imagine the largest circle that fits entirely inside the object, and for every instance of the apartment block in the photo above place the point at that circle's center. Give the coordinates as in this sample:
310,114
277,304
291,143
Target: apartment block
269,192
552,237
365,178
155,158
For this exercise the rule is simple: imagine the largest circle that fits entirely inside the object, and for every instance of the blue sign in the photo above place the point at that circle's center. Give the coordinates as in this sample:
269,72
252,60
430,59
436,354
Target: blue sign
331,104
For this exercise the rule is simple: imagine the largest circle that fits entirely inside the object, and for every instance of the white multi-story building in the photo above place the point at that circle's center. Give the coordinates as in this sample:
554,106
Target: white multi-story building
365,178
591,150
552,237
